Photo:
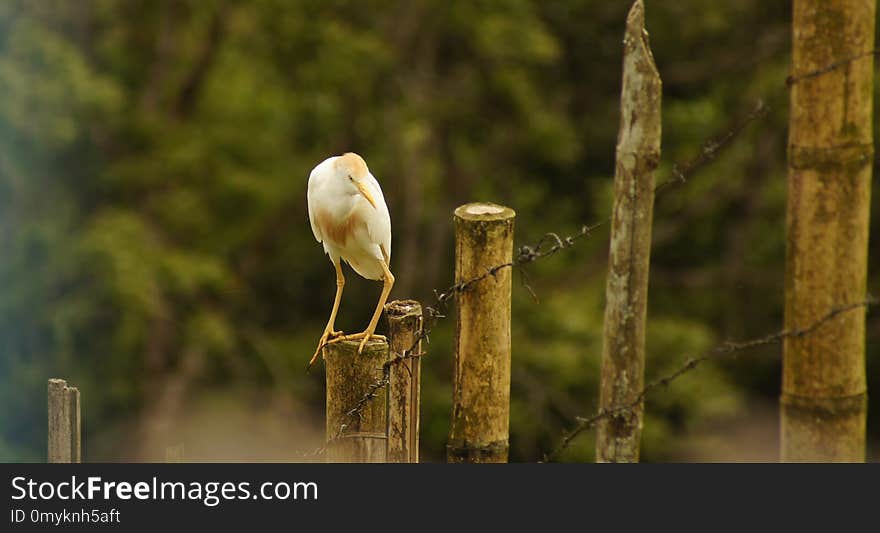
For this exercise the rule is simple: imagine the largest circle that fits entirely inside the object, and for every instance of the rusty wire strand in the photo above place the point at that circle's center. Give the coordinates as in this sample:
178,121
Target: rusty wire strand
690,363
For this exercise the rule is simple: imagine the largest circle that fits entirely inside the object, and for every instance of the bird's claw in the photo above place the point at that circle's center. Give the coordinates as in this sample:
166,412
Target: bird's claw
321,345
326,338
362,344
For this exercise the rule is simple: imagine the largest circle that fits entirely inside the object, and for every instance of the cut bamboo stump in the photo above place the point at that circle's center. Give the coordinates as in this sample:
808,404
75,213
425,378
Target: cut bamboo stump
626,291
830,155
355,437
481,393
64,439
404,330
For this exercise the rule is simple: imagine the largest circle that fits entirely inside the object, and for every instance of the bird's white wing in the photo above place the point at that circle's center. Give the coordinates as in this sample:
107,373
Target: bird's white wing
379,226
315,229
314,183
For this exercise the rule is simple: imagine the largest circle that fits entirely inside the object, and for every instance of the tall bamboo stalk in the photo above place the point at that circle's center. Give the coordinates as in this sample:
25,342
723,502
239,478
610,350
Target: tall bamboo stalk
626,291
823,403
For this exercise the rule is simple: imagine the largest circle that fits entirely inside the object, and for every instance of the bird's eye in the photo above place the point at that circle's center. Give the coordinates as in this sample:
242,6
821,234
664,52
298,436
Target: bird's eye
350,178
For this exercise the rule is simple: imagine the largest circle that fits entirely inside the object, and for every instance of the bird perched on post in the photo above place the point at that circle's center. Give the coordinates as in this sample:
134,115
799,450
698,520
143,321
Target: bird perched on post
349,217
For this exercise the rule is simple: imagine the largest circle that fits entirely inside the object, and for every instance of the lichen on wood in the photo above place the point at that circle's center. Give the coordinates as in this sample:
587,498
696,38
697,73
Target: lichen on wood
638,154
481,391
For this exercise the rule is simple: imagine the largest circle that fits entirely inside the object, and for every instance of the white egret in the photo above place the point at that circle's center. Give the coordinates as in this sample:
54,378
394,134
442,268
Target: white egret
349,217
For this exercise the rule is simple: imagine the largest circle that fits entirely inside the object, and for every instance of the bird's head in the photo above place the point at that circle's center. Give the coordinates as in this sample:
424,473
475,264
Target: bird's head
353,169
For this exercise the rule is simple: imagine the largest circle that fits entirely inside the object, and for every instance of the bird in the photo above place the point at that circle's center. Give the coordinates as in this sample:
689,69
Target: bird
348,215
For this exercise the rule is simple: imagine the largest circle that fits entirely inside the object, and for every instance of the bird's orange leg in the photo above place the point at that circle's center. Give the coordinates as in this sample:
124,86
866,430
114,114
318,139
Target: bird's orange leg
328,331
368,333
388,282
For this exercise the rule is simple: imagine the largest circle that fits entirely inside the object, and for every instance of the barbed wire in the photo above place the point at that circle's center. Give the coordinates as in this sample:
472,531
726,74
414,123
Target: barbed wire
797,78
551,243
709,150
691,363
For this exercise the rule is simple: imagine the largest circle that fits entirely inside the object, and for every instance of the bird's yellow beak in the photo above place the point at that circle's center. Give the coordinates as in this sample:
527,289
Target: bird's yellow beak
363,189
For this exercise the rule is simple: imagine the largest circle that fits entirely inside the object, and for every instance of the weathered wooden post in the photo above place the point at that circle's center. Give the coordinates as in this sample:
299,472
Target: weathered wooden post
65,445
481,395
404,330
626,290
356,429
830,155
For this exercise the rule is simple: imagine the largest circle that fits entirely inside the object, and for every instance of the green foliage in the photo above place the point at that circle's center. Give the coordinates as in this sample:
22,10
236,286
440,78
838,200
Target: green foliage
153,226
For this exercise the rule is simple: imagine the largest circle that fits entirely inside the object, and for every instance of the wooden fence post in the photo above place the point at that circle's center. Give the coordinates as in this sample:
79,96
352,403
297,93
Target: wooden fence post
626,290
404,329
830,156
481,395
65,441
358,438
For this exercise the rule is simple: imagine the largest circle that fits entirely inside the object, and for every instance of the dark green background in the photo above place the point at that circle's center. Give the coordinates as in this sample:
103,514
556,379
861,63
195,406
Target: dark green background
155,249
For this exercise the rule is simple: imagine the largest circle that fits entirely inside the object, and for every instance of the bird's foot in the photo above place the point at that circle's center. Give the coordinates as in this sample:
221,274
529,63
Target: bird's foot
356,336
326,338
364,342
365,337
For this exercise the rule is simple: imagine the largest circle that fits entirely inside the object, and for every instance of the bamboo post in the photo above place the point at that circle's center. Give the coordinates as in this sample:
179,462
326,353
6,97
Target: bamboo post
64,436
830,154
404,330
626,289
481,393
350,377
